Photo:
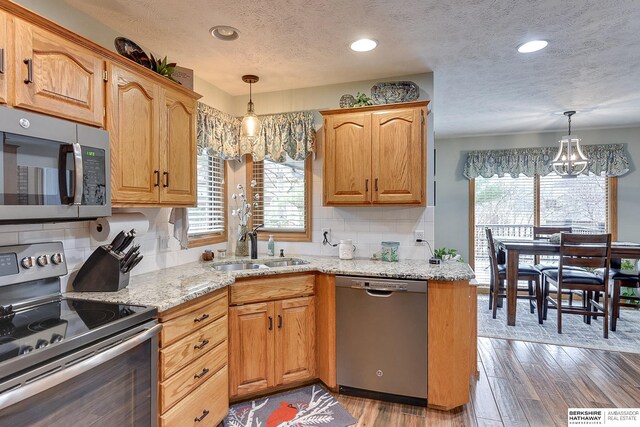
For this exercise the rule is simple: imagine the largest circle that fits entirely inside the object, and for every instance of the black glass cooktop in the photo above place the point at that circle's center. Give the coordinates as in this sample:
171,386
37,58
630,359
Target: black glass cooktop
52,328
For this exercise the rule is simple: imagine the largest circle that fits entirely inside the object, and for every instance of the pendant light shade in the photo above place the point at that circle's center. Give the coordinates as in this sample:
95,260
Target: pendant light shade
250,128
570,160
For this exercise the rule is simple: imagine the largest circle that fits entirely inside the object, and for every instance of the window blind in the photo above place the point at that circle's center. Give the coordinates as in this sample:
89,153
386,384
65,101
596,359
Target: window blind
506,205
208,217
580,202
282,196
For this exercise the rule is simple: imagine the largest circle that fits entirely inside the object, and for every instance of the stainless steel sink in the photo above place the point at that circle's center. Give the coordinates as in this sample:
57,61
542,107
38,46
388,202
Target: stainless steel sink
239,266
285,262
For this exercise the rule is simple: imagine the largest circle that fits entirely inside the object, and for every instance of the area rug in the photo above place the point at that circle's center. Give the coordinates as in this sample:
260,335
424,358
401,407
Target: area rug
575,333
310,406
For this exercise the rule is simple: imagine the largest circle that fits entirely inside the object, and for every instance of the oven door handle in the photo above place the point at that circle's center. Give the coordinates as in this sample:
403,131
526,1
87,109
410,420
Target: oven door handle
26,391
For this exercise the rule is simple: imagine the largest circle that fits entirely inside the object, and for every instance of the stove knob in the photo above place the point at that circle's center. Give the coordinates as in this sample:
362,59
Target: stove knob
42,260
26,349
56,338
27,262
56,258
42,343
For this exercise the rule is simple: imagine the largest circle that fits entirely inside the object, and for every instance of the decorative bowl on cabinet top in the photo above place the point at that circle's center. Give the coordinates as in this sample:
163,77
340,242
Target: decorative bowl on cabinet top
392,92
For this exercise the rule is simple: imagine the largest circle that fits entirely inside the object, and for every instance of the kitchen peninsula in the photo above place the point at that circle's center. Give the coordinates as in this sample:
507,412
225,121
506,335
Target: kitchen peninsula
200,306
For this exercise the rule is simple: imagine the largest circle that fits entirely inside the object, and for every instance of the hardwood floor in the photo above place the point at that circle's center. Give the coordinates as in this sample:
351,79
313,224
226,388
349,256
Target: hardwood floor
522,384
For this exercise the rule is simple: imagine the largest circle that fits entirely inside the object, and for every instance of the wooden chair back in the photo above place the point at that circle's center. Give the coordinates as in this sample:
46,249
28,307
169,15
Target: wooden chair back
544,232
586,250
493,257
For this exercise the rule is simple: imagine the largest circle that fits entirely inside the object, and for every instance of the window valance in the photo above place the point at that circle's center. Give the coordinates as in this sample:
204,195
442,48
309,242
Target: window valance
610,158
281,134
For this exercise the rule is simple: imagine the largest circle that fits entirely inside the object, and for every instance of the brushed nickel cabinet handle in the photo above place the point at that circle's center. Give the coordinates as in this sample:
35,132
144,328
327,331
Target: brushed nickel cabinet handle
204,372
201,417
157,174
376,184
29,63
366,185
201,318
1,60
201,345
166,179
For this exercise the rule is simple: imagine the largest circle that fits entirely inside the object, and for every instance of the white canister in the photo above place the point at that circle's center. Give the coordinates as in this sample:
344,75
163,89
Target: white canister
346,249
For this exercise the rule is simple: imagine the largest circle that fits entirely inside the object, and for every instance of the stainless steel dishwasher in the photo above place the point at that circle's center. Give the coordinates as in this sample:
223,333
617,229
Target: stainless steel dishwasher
381,332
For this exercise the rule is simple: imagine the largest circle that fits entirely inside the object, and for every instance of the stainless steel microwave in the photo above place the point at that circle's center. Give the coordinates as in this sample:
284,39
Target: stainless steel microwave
52,169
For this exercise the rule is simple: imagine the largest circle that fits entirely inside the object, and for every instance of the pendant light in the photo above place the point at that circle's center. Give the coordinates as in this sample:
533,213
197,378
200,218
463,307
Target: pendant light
250,128
570,161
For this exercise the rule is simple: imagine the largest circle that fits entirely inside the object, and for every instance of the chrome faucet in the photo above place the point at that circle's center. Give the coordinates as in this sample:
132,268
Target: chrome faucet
253,237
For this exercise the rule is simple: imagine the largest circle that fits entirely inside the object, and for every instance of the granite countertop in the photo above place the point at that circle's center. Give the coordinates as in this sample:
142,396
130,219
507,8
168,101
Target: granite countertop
173,286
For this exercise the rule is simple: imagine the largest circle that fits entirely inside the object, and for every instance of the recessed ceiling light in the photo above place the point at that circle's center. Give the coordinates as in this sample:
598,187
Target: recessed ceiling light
364,45
224,32
532,46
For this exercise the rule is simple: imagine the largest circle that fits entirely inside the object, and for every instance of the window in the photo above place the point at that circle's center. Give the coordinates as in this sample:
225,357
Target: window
208,222
511,207
284,203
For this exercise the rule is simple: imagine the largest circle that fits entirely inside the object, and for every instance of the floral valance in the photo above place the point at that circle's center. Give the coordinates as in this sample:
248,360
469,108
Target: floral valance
218,132
281,134
609,158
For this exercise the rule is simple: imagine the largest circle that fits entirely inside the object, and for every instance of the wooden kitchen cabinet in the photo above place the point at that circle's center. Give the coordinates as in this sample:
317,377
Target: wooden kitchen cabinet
375,155
4,51
153,142
56,76
272,342
193,362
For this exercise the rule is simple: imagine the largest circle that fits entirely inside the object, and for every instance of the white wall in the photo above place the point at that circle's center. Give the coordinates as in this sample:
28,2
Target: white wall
452,204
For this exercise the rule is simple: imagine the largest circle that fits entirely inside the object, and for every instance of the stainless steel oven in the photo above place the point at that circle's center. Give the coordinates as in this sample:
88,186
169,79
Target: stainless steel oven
52,169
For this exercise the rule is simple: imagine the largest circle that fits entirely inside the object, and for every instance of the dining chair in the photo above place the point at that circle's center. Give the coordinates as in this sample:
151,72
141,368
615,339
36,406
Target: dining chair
621,278
497,288
585,251
545,232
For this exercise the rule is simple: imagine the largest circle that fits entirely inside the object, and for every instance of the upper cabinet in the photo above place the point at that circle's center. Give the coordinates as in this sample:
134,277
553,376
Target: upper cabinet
56,76
4,49
153,142
375,155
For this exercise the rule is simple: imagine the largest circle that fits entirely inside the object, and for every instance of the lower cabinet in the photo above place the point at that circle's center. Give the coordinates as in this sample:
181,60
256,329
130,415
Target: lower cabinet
271,344
193,372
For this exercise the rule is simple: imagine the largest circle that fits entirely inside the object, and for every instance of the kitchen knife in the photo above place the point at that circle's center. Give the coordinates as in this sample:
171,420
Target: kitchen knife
129,261
130,236
128,255
117,241
136,262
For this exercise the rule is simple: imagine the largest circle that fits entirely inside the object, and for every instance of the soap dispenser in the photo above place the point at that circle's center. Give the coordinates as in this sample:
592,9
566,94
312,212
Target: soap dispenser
271,246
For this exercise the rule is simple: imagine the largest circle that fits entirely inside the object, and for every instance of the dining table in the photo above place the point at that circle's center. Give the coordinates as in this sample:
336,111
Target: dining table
514,247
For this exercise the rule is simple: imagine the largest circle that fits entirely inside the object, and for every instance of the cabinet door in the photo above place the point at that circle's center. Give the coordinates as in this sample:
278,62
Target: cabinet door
347,163
4,50
57,77
295,355
178,150
251,329
133,124
398,159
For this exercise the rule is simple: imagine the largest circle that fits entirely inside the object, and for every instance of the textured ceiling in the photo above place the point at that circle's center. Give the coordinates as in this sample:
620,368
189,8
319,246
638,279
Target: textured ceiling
482,85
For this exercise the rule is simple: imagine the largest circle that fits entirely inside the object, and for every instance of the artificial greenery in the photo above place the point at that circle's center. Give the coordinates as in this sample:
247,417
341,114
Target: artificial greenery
628,264
362,100
440,253
164,67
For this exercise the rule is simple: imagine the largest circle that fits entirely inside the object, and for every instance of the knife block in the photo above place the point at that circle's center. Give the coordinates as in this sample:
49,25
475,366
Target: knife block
101,273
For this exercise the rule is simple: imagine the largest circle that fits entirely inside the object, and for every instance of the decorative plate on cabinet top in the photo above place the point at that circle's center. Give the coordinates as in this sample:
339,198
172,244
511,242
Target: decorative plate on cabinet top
392,92
131,50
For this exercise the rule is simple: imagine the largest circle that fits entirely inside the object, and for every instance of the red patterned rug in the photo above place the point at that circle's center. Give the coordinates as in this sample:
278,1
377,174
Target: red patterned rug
310,406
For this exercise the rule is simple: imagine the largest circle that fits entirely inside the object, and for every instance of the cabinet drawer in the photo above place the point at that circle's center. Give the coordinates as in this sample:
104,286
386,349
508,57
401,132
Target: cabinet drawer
192,376
194,345
177,328
271,288
209,403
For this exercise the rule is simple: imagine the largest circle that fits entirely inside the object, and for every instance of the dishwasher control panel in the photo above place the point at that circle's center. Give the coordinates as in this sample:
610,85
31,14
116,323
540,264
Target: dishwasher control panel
381,285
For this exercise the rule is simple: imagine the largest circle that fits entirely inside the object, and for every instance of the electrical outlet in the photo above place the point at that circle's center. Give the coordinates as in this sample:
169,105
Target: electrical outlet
328,231
163,243
419,235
